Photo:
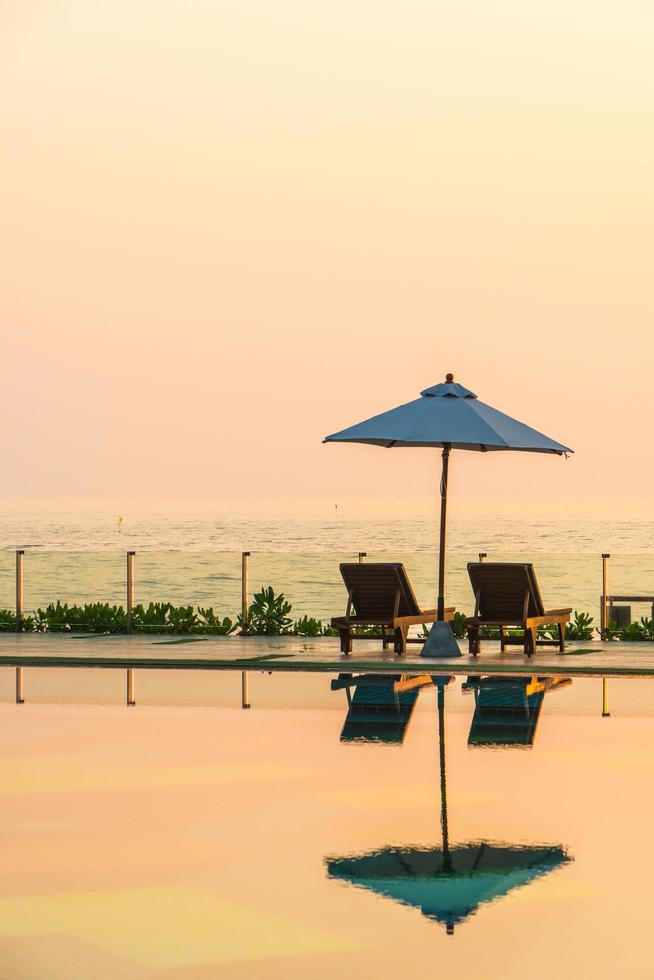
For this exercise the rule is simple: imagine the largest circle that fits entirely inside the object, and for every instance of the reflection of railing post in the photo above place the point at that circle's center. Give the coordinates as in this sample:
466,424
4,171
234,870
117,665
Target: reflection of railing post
362,557
131,700
130,588
605,699
20,693
604,625
482,555
245,700
19,589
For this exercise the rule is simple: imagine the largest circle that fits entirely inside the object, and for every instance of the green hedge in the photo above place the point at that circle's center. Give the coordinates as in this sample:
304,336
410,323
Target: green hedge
269,614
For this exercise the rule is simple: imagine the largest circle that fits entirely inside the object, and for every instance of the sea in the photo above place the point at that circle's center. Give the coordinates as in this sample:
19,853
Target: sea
194,558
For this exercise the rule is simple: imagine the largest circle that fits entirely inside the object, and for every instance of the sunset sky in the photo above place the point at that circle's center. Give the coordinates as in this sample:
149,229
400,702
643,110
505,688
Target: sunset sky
230,228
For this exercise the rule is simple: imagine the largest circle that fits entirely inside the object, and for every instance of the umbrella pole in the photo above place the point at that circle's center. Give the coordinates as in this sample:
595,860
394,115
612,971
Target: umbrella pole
441,642
447,860
440,610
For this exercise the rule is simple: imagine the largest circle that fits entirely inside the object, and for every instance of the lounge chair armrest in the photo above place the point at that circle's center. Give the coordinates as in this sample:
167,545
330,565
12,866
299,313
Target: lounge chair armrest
554,616
428,616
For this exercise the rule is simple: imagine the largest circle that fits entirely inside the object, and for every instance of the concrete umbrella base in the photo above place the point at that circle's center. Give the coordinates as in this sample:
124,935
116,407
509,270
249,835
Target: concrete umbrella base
441,642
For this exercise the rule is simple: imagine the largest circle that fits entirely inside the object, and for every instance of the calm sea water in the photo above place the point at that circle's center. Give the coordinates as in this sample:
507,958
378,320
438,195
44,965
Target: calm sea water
196,558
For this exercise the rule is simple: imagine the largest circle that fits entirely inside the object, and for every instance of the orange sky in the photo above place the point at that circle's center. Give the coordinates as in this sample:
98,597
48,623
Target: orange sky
229,228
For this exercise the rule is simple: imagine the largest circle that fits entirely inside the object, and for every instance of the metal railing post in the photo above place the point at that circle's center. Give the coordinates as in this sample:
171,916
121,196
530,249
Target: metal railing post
20,691
19,589
130,588
604,625
605,699
245,571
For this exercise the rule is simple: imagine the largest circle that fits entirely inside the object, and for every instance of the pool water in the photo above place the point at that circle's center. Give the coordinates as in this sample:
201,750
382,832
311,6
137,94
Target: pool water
188,838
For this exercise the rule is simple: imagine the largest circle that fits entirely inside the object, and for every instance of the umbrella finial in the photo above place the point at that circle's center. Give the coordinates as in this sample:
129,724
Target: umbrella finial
449,378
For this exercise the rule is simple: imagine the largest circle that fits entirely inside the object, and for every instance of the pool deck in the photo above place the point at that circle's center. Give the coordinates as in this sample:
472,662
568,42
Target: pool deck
589,659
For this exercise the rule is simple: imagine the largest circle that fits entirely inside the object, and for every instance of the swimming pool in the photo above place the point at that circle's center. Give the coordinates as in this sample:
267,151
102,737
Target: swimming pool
187,838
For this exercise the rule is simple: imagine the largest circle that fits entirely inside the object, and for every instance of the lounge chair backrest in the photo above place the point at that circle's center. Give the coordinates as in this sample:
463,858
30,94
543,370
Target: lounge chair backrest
374,587
502,587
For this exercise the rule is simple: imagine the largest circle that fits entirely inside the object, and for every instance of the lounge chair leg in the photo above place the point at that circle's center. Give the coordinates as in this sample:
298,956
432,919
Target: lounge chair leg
473,641
562,637
346,641
502,639
531,635
385,639
399,645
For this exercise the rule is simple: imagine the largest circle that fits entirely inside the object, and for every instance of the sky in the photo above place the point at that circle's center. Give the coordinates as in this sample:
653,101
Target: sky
230,228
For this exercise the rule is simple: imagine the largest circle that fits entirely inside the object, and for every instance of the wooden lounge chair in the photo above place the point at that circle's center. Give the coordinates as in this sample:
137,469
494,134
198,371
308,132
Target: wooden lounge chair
380,594
507,594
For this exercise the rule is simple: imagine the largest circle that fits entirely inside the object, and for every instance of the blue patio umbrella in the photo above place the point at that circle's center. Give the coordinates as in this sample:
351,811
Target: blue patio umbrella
448,416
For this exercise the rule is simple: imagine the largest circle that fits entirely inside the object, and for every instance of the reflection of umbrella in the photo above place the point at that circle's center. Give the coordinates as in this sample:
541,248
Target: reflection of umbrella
481,872
451,882
451,417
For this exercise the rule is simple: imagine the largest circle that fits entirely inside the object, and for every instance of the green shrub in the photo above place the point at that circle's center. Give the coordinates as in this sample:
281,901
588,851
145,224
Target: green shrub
54,618
152,618
307,626
459,625
182,619
209,622
93,617
641,631
163,617
268,615
7,620
580,627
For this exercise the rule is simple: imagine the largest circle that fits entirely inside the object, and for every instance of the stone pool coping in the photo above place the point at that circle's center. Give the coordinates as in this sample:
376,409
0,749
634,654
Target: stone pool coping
322,654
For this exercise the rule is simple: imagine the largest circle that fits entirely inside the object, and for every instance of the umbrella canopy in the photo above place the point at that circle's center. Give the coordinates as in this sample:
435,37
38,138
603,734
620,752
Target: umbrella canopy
448,416
480,872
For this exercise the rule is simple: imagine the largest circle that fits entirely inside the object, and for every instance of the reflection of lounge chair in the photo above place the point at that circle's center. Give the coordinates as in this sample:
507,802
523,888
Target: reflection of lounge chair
379,708
507,594
380,594
507,710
